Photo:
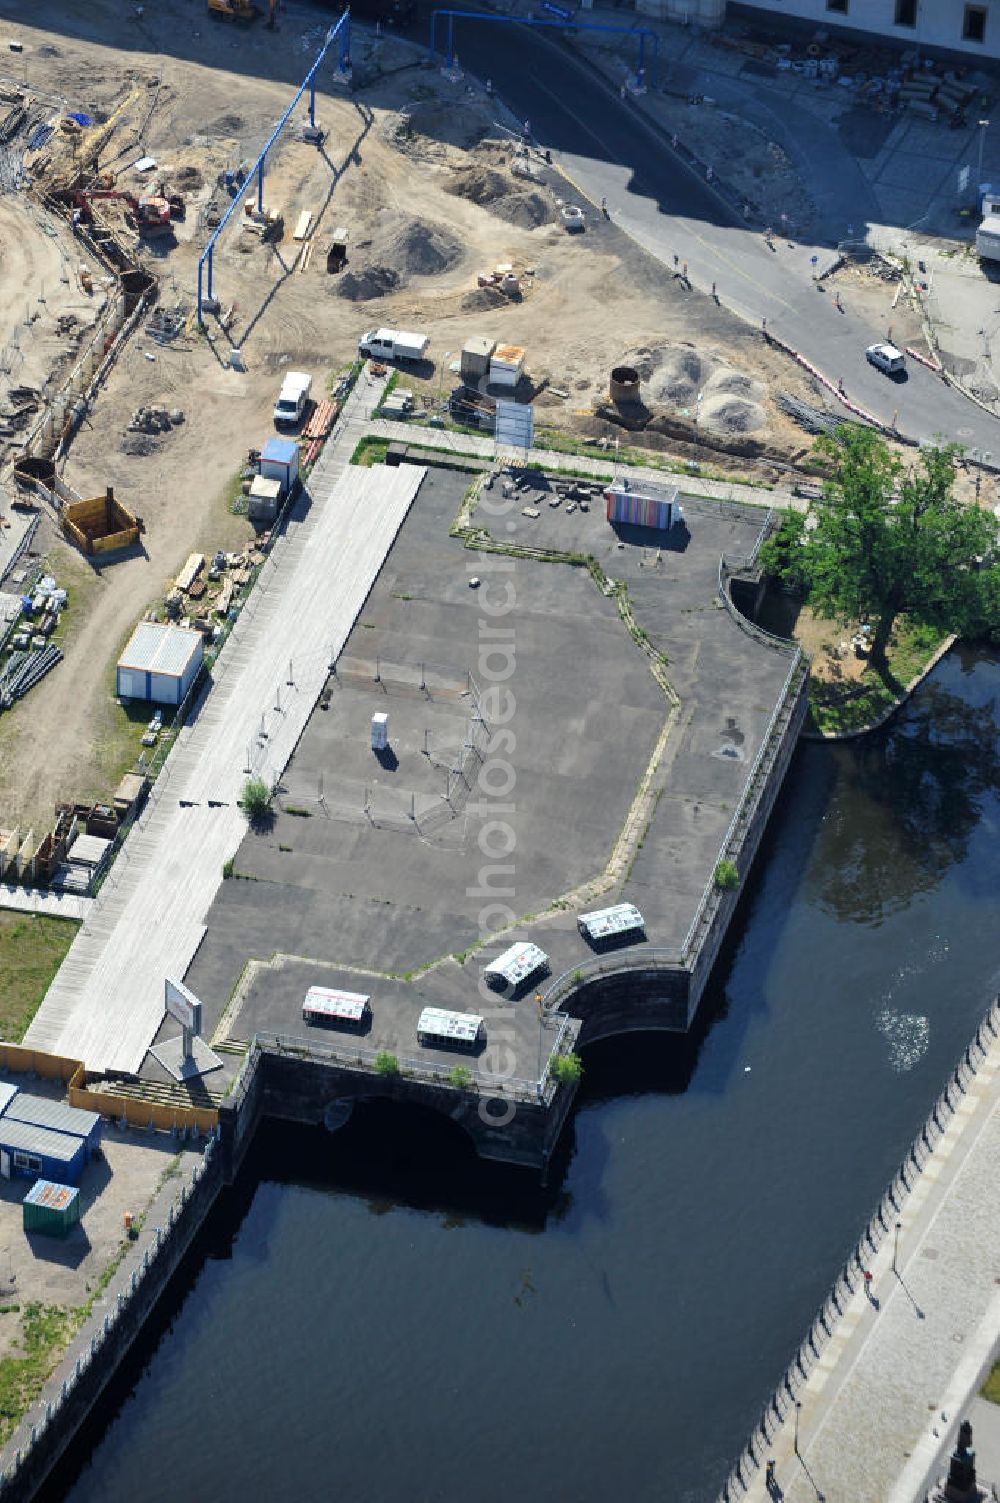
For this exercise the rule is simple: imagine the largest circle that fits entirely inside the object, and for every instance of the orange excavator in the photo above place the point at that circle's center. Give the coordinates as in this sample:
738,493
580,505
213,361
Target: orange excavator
148,216
242,10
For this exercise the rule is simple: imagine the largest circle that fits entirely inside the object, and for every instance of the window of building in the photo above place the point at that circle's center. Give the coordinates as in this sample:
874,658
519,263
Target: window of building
974,29
838,5
906,12
27,1161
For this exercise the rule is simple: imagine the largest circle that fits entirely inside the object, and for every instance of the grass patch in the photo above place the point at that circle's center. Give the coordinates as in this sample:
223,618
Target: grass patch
45,1332
837,707
32,947
370,450
991,1388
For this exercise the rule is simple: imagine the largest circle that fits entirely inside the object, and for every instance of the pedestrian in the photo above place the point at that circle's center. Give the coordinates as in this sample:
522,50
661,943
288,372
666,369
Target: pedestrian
840,385
763,326
677,260
489,87
868,1282
888,333
685,271
623,91
714,293
527,129
839,305
604,207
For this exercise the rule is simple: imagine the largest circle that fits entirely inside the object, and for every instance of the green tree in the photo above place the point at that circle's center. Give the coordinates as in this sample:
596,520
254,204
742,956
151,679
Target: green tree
386,1063
567,1068
727,874
256,800
885,539
460,1076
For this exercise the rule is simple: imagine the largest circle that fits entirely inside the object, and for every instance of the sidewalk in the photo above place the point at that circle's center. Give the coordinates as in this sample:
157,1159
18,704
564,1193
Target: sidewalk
901,1368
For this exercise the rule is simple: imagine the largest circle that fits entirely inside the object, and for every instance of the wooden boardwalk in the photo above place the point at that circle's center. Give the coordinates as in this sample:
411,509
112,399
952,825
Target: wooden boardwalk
106,1002
67,905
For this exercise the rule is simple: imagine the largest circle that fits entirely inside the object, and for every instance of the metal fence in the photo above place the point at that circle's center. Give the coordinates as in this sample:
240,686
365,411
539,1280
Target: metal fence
781,1405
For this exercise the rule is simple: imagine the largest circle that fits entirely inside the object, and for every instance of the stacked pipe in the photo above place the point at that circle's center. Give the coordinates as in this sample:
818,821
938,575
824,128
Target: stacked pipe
23,671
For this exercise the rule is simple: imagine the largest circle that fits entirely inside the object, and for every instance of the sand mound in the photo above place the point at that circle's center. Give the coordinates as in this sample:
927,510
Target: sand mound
678,378
421,249
370,282
498,193
732,383
732,415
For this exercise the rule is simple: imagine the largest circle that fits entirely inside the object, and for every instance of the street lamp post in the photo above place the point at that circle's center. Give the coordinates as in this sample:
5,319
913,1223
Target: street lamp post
983,127
895,1249
798,1406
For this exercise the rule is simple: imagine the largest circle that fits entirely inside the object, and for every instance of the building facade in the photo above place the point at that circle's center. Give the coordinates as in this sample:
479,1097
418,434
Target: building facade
971,27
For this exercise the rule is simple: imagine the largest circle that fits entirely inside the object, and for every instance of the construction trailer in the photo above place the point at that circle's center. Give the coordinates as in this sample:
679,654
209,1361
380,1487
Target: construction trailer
515,966
326,1005
30,1152
620,920
643,506
55,1116
437,1027
160,663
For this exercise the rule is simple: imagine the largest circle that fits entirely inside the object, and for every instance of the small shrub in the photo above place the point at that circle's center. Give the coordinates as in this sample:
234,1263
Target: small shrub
567,1069
727,875
227,869
460,1076
256,799
299,812
386,1063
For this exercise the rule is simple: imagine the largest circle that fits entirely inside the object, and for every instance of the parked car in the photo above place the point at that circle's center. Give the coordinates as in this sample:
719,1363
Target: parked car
886,358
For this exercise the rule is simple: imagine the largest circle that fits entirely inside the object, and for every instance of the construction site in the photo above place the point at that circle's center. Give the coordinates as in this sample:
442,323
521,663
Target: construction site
118,407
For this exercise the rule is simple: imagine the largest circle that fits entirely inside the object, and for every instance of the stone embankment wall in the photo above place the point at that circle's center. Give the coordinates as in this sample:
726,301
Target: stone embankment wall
781,1406
117,1320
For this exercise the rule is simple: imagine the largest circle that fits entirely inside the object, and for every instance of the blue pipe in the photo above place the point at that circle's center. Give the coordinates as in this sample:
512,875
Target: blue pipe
341,30
574,25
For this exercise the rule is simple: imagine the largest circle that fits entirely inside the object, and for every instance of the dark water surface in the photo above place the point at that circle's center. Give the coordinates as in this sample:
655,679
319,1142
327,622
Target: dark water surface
374,1315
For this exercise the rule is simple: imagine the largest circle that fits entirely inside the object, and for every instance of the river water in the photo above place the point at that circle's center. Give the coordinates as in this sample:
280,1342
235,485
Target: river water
374,1315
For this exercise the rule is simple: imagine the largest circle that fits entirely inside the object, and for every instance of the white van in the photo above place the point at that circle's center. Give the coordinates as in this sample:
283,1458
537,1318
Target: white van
886,357
292,398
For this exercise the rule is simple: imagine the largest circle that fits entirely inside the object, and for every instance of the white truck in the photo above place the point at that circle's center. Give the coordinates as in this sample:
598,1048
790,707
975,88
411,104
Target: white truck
393,344
988,233
292,398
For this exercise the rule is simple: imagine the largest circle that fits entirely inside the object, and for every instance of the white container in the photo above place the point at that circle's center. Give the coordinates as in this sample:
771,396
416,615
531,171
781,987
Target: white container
380,732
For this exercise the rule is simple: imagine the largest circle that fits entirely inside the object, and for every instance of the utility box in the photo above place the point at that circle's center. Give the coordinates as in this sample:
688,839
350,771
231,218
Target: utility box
51,1209
380,732
476,354
265,497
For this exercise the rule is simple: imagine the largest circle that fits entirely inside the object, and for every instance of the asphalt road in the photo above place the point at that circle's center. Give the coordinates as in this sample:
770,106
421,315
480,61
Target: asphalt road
608,151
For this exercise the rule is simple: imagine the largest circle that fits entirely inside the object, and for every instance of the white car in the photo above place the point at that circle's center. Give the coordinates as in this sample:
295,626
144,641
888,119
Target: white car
886,357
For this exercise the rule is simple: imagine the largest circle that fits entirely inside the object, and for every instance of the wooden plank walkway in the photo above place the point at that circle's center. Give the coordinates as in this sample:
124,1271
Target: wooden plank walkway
34,900
106,1003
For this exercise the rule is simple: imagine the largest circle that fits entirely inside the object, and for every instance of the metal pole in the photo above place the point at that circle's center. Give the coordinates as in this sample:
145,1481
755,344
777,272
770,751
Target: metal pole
211,262
798,1406
983,127
260,187
895,1249
312,100
200,271
642,59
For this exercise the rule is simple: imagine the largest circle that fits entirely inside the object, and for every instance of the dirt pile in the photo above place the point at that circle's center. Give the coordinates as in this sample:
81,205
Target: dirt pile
499,194
726,414
422,249
369,282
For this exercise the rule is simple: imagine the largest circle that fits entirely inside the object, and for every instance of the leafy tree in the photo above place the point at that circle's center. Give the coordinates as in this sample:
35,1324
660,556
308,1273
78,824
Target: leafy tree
460,1076
256,801
567,1068
386,1063
727,875
885,539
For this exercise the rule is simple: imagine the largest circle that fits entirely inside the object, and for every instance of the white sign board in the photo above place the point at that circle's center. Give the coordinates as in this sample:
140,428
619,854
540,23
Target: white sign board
515,424
182,1004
